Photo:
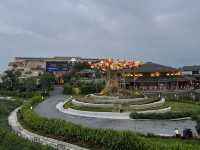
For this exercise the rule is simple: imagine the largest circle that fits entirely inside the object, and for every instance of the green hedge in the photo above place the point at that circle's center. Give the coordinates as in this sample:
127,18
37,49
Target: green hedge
95,138
168,115
19,94
67,89
8,139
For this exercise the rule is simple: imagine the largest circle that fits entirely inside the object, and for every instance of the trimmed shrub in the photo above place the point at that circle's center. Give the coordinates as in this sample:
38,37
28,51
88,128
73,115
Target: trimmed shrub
20,94
88,88
67,89
168,115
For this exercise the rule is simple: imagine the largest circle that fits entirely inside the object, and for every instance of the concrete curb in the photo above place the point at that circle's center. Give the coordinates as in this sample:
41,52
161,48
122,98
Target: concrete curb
136,107
177,119
105,115
20,131
7,98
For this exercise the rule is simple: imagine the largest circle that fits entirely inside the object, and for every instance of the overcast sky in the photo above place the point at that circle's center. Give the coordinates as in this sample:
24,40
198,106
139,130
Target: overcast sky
163,31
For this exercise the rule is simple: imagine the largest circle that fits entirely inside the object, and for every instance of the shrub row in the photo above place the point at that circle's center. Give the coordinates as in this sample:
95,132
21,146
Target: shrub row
168,115
9,140
84,88
94,138
19,94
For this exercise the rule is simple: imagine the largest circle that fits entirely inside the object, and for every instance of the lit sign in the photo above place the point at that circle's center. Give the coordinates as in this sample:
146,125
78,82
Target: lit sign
57,66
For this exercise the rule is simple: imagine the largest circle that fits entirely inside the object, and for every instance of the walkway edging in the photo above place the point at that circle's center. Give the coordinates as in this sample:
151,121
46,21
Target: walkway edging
20,131
7,98
108,115
103,115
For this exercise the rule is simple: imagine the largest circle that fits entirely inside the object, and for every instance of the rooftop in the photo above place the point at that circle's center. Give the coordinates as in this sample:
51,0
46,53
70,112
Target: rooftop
191,68
57,58
154,67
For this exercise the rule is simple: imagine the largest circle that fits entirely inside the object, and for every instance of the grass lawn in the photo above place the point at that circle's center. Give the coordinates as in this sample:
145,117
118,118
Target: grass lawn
183,106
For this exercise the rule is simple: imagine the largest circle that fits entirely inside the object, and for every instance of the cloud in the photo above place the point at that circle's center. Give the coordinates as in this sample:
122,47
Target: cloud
162,31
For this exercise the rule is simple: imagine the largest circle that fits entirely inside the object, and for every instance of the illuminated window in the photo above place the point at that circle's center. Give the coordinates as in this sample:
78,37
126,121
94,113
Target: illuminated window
157,74
152,75
178,73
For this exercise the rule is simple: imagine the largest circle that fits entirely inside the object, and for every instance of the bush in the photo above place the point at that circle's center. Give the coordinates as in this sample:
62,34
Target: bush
87,89
104,139
20,94
67,89
93,87
168,115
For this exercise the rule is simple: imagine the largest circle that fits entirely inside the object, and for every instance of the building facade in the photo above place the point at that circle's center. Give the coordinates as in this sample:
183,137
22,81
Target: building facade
153,77
148,76
194,72
32,67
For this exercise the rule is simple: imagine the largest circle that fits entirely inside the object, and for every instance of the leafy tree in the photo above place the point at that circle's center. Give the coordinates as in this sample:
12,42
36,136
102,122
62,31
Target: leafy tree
47,81
76,68
81,66
68,76
10,80
30,84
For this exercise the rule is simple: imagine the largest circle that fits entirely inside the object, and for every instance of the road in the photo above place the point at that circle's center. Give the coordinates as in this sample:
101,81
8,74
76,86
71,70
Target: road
48,109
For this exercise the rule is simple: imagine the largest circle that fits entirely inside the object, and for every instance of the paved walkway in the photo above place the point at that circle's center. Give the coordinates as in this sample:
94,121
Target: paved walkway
163,127
59,145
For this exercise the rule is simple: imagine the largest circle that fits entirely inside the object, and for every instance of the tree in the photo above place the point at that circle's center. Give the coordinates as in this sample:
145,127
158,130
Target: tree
10,80
30,84
47,81
81,66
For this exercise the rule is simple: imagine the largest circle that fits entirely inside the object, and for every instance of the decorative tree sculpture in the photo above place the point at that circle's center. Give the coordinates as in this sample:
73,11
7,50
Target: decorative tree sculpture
112,69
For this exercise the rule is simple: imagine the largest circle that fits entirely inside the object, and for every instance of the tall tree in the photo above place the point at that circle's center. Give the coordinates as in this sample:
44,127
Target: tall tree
10,80
47,81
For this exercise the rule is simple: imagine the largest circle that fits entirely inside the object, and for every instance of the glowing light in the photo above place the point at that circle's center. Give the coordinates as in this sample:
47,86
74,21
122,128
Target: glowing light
119,64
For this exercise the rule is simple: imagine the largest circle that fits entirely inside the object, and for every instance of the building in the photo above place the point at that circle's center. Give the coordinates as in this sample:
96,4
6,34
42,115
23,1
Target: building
193,71
32,67
147,76
153,76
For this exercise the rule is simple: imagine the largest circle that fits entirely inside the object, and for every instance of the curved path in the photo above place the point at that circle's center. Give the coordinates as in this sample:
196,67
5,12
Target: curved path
159,127
20,131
